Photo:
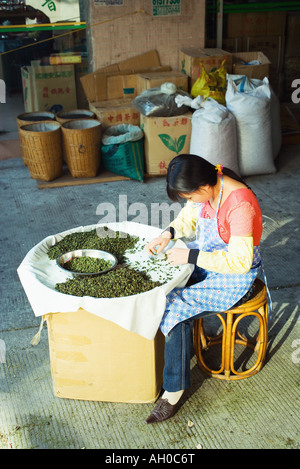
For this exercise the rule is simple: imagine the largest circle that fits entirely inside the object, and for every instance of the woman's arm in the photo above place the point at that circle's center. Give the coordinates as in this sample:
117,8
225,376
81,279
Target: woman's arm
239,255
184,224
238,259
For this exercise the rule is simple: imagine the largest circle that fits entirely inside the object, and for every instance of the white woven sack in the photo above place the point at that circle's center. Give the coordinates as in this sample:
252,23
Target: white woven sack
214,135
254,128
247,85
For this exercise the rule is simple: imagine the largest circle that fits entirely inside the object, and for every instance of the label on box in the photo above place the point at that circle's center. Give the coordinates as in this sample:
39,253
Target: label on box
122,117
166,7
116,112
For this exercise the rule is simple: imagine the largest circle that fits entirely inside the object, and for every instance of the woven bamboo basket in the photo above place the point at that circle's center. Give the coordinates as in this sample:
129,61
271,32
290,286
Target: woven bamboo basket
66,116
31,118
44,149
82,146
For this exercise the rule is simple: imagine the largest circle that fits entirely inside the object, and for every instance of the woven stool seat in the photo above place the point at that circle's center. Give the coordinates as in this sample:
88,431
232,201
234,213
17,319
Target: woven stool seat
256,306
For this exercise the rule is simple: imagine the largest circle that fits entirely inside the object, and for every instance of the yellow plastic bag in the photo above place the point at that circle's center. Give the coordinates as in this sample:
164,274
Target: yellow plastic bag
212,84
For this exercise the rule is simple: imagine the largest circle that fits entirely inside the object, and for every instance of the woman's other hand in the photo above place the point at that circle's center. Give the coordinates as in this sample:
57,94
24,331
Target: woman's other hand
178,256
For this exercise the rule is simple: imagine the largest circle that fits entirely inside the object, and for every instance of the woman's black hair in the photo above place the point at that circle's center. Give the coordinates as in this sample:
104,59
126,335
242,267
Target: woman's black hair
186,173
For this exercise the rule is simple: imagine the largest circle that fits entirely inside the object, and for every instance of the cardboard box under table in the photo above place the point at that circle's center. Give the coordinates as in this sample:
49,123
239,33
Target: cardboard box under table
95,359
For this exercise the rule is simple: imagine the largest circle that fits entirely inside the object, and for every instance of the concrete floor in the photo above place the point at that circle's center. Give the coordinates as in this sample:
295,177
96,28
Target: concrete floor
261,412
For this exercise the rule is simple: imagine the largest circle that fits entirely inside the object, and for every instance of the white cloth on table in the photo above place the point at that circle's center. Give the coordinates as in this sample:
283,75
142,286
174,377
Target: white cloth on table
139,313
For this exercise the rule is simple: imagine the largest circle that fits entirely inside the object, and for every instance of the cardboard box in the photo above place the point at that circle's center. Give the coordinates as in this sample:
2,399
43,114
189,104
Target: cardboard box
115,112
119,80
272,23
293,35
165,138
94,359
271,46
233,44
49,88
138,62
148,80
190,60
251,71
99,86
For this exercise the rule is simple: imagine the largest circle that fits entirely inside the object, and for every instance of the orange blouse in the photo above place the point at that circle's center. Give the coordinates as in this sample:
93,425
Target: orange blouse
239,215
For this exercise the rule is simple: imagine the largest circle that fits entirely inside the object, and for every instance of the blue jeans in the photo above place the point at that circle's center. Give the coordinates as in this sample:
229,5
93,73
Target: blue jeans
178,352
178,345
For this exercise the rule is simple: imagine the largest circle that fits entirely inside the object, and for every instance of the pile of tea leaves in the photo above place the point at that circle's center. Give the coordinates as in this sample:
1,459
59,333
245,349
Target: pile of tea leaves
102,238
87,265
121,282
125,280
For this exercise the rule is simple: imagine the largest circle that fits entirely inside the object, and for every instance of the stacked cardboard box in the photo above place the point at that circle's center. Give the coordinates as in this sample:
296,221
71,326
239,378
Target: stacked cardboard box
55,87
211,58
166,137
256,24
148,80
110,92
115,112
49,88
241,64
259,32
119,80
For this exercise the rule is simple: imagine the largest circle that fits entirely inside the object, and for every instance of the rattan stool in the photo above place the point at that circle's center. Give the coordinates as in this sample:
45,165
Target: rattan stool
256,306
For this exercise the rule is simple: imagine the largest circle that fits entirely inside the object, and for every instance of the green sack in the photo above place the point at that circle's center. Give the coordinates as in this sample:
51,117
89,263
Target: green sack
122,151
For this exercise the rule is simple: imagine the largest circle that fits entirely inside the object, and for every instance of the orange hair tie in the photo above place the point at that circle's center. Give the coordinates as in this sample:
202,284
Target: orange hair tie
219,168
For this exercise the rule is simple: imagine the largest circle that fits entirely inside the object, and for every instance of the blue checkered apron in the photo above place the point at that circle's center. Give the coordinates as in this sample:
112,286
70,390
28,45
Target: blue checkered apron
211,292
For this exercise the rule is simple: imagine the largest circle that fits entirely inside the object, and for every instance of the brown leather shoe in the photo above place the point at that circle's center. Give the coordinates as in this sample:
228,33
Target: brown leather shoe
162,411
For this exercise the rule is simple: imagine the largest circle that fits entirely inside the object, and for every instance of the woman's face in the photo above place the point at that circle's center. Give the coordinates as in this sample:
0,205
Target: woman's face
201,195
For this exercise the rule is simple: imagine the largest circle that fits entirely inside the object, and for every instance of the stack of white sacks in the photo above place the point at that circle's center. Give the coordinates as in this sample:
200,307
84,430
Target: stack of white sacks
244,136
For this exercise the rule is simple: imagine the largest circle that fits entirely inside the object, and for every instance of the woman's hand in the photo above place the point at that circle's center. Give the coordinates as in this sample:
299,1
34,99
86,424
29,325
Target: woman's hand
178,256
157,245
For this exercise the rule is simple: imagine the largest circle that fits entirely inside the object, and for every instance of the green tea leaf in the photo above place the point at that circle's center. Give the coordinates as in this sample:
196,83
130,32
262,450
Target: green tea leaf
168,142
181,143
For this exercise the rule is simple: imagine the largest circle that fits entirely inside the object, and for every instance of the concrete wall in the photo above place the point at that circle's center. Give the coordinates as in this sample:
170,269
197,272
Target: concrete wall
122,36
